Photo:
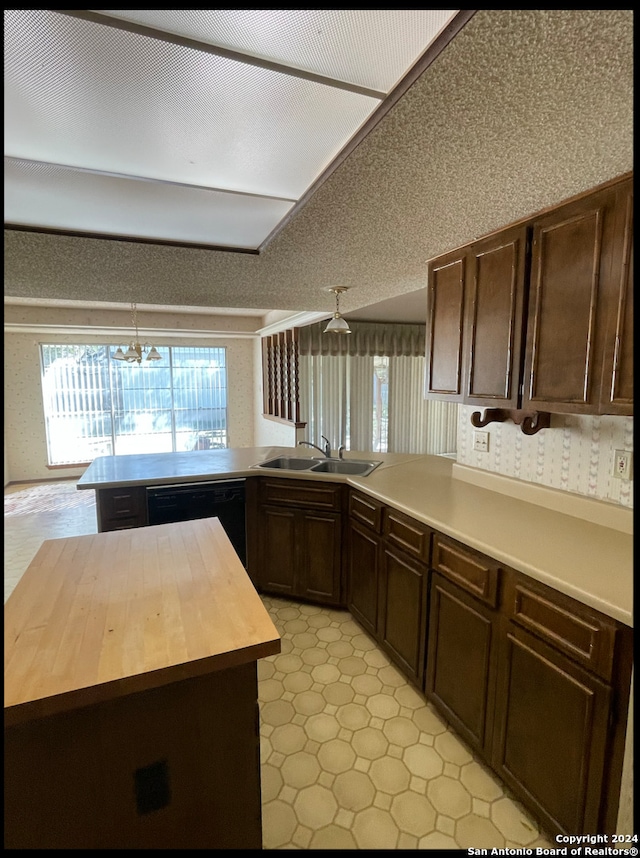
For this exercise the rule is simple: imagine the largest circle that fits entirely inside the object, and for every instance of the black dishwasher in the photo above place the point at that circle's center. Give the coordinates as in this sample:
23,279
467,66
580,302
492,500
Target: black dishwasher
222,498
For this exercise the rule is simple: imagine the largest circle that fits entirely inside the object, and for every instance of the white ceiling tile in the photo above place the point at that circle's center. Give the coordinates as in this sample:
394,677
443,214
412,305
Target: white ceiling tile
58,198
366,47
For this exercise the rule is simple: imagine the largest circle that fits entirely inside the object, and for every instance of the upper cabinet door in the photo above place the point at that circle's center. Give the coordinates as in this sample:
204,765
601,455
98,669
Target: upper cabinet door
446,298
539,316
617,370
494,319
571,269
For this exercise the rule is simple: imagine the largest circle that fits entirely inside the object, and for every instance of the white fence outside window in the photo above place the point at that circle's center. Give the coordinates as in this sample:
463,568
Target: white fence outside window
97,406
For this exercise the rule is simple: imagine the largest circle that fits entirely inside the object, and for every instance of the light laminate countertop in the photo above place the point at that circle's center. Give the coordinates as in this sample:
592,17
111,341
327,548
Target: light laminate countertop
579,546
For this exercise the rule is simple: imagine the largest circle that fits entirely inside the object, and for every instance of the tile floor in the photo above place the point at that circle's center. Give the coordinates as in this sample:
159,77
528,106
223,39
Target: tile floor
352,756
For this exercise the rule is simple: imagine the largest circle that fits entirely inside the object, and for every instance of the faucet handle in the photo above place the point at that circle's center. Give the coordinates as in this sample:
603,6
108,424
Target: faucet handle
341,451
327,446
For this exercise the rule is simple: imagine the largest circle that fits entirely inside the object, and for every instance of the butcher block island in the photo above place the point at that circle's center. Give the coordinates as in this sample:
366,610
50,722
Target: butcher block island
131,704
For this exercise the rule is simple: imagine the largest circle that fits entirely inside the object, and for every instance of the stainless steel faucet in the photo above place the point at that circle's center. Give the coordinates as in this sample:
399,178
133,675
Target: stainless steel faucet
327,446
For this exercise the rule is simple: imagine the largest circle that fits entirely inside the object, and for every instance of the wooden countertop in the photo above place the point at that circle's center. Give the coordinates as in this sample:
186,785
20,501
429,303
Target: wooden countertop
110,614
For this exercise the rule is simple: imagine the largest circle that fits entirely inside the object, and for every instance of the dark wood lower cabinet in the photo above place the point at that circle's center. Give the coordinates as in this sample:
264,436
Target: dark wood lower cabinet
461,661
363,576
300,553
121,508
320,547
535,682
402,615
278,528
294,544
551,740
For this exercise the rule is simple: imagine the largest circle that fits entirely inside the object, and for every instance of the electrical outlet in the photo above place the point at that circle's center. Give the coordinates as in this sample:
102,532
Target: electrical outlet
622,464
481,442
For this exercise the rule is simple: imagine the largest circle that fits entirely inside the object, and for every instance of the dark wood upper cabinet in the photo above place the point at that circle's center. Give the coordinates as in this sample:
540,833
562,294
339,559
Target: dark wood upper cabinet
538,317
616,392
496,274
476,300
446,301
571,267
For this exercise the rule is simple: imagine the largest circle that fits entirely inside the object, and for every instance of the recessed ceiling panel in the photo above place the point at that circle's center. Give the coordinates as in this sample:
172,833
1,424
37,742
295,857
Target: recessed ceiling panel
366,47
78,201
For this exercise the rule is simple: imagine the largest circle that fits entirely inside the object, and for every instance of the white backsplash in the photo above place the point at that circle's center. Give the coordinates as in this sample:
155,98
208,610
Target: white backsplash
574,454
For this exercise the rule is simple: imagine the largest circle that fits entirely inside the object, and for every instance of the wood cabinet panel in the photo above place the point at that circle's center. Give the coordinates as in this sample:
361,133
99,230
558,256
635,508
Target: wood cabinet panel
121,508
366,510
408,534
176,767
569,266
446,299
461,651
496,275
617,372
278,561
296,548
363,576
320,556
403,611
301,493
580,633
552,720
472,571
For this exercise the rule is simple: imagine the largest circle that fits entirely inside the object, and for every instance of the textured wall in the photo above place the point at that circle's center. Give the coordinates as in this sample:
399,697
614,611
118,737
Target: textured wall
24,427
575,454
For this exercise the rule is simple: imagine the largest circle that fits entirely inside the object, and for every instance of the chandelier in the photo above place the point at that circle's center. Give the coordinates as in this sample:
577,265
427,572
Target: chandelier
136,352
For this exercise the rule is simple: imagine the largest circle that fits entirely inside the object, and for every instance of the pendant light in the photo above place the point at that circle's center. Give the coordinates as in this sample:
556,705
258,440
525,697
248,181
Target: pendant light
135,352
337,325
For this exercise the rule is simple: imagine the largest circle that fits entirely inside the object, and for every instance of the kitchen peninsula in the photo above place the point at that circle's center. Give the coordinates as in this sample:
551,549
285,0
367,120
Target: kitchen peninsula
582,547
131,713
507,604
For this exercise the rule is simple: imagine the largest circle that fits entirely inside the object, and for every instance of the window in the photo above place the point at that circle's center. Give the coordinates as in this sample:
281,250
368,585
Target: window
366,391
97,406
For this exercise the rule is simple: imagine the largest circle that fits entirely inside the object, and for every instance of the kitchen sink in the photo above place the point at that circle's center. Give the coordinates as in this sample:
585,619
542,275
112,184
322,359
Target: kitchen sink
356,467
289,463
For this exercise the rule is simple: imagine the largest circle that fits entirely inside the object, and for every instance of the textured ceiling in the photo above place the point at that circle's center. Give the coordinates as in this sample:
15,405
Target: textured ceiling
522,110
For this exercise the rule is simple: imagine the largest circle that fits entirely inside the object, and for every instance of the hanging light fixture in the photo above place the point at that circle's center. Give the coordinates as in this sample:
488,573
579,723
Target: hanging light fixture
135,351
337,325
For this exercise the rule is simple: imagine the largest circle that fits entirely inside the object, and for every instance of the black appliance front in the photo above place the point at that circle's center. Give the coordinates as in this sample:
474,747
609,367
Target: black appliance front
222,498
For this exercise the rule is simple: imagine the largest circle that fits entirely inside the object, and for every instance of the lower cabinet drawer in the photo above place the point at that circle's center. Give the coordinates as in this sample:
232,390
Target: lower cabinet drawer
366,510
407,533
302,493
121,508
584,635
475,573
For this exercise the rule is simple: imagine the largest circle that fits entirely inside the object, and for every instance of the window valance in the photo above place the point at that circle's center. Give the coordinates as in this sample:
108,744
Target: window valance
366,339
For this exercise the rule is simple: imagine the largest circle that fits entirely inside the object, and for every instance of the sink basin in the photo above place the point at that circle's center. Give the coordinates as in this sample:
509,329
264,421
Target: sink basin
356,467
289,463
